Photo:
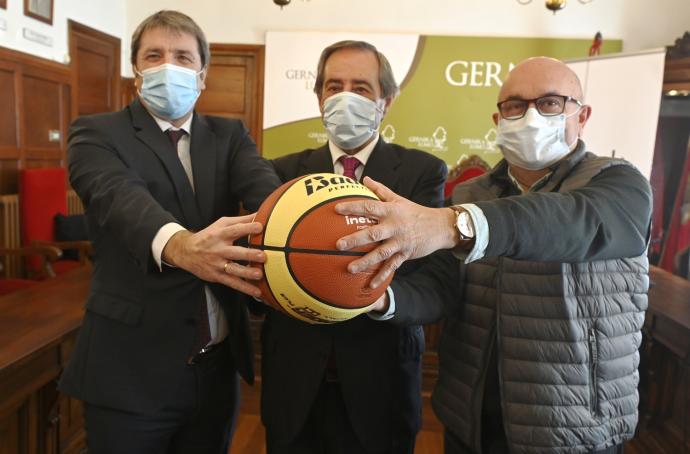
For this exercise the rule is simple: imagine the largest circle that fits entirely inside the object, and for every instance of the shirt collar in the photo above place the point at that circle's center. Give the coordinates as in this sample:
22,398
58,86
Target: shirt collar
165,124
537,184
362,155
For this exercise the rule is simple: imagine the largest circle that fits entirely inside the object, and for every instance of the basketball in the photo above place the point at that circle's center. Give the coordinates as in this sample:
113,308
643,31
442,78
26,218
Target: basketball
305,276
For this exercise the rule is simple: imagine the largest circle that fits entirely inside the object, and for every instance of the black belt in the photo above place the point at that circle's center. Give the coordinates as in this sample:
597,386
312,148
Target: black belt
205,353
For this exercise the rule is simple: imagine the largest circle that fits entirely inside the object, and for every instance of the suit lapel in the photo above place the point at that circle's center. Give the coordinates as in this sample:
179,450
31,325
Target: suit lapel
203,153
318,162
150,134
382,165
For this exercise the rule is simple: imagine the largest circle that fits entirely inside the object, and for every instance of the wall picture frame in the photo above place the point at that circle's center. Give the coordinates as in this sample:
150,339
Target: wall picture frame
41,10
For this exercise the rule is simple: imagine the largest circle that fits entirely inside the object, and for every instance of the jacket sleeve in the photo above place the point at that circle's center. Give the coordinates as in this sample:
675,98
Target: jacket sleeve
429,294
252,177
608,218
116,197
429,188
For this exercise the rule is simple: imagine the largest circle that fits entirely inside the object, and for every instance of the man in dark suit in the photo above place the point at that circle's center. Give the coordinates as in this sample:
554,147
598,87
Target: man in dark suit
164,335
352,387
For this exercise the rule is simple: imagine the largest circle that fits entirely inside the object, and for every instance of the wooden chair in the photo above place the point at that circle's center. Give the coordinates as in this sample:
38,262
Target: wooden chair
42,197
45,256
465,169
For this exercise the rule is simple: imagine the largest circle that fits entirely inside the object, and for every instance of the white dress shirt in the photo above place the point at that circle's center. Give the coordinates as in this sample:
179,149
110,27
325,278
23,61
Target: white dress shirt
217,322
362,156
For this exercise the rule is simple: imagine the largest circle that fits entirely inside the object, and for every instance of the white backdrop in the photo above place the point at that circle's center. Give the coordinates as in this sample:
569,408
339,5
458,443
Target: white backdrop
624,91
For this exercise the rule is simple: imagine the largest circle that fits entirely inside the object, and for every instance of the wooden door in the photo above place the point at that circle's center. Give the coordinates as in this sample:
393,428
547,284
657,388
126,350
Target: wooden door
235,85
96,70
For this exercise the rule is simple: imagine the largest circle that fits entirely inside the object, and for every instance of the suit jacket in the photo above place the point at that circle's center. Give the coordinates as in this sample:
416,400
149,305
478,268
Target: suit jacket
140,323
379,364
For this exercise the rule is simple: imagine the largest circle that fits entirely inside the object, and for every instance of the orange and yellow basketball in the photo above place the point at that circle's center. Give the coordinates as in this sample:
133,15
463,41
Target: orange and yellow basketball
305,276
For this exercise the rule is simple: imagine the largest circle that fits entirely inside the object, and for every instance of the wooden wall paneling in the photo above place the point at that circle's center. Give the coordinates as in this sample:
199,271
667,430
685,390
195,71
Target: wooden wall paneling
39,103
95,70
234,86
9,109
11,112
43,102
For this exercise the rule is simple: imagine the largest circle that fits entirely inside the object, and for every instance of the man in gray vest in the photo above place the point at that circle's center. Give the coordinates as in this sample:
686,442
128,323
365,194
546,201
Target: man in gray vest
541,274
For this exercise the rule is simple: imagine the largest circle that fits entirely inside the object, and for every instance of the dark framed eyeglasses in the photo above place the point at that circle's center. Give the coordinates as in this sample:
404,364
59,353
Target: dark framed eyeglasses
547,106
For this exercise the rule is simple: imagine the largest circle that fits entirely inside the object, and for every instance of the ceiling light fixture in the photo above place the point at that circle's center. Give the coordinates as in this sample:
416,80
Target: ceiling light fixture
282,3
553,5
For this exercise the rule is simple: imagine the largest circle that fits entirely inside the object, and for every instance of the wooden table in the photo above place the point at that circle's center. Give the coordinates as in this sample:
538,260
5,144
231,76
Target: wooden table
665,362
38,328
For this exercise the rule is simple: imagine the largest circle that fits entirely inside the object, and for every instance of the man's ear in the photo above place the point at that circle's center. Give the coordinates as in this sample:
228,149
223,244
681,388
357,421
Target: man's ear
387,102
202,78
582,117
320,101
137,78
494,117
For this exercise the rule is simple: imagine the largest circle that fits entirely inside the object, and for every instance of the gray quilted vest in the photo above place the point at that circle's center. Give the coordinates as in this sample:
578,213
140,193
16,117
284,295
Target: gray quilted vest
567,338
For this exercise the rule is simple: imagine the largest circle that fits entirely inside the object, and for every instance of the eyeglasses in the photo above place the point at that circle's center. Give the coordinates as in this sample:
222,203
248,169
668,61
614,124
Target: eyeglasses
547,106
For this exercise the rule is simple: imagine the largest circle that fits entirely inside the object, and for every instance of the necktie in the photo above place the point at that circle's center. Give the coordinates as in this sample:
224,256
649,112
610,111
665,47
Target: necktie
204,331
175,137
350,164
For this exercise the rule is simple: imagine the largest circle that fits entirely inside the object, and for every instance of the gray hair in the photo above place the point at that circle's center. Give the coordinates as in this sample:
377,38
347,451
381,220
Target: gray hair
389,87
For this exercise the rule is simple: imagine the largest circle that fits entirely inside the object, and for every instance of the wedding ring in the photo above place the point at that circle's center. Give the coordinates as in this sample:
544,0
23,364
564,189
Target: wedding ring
225,267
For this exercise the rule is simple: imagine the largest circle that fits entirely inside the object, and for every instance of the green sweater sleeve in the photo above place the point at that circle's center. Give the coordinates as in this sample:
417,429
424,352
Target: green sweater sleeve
608,218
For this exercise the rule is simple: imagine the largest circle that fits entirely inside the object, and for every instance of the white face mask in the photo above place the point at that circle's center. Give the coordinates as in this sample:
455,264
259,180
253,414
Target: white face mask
351,119
534,141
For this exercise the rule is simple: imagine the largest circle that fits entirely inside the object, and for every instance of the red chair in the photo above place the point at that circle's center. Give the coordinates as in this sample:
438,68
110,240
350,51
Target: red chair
43,195
465,169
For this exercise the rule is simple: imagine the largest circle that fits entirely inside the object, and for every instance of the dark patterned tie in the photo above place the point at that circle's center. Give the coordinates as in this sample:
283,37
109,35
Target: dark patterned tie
350,165
175,137
204,332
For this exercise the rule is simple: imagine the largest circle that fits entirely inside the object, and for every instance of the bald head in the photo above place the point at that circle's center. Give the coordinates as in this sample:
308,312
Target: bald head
543,76
539,76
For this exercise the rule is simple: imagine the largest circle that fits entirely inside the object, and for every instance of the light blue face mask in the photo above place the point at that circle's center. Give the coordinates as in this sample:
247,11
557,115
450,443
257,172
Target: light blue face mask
170,91
351,119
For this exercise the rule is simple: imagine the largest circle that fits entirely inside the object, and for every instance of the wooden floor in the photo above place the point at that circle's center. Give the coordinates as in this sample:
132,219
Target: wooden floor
249,435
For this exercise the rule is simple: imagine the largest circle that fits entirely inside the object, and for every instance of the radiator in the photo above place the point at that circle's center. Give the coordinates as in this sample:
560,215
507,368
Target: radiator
9,233
74,205
12,266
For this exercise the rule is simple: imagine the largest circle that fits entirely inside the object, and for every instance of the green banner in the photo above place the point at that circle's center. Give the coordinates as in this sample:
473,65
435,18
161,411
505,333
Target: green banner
446,99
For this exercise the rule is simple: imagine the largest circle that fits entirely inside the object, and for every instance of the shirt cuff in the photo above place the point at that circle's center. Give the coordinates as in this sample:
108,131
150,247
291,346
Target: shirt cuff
481,235
161,239
391,308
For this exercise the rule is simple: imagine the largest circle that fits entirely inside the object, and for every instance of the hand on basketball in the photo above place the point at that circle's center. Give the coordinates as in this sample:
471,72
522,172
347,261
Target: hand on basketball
405,231
211,254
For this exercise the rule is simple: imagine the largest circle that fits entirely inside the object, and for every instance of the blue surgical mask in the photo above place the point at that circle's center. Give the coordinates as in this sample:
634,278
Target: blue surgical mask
534,141
170,91
351,119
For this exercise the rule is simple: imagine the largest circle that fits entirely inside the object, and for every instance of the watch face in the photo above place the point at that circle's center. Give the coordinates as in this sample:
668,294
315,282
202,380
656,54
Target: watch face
465,226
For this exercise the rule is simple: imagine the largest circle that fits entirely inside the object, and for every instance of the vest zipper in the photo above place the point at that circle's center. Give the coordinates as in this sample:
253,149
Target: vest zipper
593,363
